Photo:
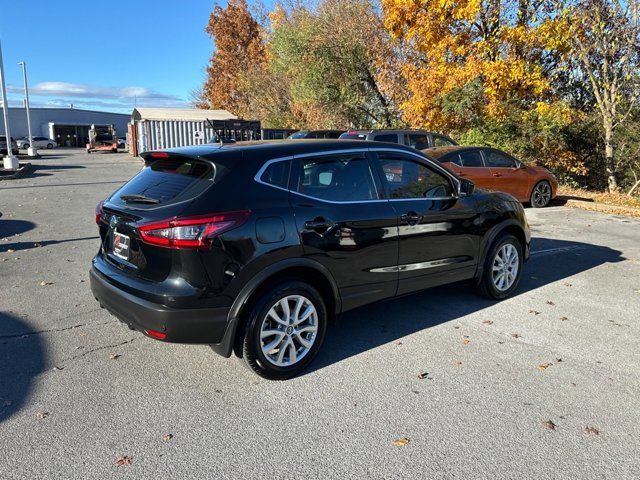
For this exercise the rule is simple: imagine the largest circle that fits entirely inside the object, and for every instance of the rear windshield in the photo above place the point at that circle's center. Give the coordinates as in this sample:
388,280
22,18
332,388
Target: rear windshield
353,136
168,180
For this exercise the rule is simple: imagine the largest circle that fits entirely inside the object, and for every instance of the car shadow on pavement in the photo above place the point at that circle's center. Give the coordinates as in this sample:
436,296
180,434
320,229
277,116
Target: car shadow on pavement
22,359
44,243
58,167
368,327
9,227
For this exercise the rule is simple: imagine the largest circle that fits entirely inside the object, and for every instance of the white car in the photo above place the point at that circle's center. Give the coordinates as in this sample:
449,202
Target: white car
38,142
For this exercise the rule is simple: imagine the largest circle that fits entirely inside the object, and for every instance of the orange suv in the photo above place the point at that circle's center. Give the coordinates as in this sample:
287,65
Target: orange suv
495,170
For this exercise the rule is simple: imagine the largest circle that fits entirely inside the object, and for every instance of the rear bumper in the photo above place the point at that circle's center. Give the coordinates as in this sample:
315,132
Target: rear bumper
184,325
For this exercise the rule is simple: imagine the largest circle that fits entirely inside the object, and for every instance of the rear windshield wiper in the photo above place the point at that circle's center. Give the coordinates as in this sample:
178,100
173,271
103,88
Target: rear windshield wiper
138,199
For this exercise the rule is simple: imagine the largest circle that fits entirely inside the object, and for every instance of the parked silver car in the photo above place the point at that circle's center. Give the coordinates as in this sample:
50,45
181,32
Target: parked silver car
38,142
3,146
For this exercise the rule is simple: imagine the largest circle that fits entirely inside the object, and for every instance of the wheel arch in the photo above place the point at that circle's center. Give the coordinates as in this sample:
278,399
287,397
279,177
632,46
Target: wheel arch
310,271
506,227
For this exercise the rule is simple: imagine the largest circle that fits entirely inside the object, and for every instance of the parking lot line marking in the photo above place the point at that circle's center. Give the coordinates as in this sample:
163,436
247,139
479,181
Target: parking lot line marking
550,251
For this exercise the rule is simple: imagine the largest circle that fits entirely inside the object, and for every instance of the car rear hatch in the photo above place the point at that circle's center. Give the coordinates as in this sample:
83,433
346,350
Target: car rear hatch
159,193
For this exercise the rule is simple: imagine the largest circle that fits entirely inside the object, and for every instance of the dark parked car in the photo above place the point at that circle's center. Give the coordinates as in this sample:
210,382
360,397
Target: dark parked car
418,139
307,134
252,247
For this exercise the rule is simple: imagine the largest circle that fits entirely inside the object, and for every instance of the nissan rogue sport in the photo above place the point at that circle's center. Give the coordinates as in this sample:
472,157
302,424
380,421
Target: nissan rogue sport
253,247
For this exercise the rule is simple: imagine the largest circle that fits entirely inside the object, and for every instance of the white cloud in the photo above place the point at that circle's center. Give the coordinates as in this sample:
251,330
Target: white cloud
55,94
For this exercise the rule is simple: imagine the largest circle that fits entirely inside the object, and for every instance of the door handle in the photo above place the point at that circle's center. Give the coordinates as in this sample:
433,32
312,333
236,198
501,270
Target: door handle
497,174
412,218
319,224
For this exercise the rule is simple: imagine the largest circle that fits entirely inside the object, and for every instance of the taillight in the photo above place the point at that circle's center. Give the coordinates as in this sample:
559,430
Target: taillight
99,213
159,155
191,232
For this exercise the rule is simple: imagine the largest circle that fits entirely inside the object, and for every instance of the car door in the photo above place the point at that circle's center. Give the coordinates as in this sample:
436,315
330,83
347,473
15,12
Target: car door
437,240
345,225
469,164
506,174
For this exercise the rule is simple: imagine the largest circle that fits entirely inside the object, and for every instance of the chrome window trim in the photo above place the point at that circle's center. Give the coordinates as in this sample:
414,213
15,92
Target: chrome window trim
426,160
258,176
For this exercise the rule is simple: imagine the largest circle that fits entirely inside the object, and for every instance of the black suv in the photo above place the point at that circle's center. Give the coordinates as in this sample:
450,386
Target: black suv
252,247
418,139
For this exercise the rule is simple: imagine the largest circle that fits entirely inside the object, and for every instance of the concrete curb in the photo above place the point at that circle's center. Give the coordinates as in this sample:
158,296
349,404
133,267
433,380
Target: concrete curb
23,170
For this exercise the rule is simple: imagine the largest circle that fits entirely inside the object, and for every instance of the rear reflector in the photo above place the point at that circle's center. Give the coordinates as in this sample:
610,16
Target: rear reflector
159,155
99,213
190,232
156,334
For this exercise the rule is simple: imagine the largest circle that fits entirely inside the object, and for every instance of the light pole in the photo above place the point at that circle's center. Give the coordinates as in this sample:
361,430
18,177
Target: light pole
10,161
31,151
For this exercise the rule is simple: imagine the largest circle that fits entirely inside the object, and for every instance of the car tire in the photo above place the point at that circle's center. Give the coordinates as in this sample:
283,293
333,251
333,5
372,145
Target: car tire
290,339
49,146
541,194
501,272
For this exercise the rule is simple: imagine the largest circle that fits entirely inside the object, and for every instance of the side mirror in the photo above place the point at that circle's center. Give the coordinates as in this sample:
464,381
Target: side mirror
467,187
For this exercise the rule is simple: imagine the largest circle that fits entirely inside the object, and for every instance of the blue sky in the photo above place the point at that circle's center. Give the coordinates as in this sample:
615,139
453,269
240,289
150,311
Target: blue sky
104,57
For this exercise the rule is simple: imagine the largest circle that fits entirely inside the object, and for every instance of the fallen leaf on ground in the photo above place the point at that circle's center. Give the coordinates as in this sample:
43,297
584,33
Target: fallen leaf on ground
591,431
516,335
42,415
544,366
401,442
166,437
44,283
535,312
57,368
124,460
549,302
564,318
488,322
558,360
114,356
567,284
422,375
549,425
465,341
458,364
398,343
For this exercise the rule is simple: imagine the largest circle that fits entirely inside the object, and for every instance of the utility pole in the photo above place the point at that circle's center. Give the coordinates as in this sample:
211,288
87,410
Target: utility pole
10,161
31,151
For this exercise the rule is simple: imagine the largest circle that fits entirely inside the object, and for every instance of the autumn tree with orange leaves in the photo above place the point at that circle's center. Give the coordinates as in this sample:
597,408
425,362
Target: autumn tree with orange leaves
238,47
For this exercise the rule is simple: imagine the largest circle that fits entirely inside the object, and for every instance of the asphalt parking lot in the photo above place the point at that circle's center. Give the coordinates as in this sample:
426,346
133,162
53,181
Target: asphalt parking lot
543,385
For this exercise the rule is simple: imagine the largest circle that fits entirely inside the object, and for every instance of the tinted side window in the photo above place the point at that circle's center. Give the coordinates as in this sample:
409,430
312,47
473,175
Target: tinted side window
416,140
339,179
497,159
408,179
439,141
277,174
387,137
470,159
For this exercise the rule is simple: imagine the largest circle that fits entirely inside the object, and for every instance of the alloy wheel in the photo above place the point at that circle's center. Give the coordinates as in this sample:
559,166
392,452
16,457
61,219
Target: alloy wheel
542,194
289,330
505,267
